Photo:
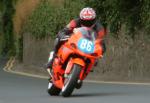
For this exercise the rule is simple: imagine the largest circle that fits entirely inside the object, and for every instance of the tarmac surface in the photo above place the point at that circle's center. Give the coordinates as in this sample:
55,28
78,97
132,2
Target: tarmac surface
23,89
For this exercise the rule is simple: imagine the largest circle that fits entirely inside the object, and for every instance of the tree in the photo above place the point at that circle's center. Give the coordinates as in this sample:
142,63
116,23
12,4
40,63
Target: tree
7,27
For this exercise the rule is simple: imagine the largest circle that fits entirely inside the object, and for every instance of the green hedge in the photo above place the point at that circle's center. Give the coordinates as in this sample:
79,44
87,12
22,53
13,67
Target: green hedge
1,9
0,26
146,15
48,19
134,14
8,47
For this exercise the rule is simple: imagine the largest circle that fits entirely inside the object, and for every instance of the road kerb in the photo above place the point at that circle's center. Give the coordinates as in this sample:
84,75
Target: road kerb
7,64
10,63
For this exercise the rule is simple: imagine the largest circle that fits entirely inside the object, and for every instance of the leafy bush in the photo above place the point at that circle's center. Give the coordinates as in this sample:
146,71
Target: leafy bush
0,23
0,26
107,13
24,8
7,28
47,19
146,15
0,34
115,13
1,9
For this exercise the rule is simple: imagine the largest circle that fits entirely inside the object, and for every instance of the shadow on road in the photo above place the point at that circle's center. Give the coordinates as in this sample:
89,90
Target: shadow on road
98,94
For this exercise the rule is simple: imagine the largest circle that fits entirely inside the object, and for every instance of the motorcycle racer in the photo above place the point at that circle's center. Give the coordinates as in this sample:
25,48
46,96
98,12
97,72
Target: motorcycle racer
87,18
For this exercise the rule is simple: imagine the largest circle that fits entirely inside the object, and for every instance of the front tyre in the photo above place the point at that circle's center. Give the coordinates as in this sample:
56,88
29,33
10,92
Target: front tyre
52,89
71,80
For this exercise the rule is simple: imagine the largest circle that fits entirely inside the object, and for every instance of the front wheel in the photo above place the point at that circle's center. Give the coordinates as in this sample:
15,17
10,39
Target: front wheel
71,80
52,89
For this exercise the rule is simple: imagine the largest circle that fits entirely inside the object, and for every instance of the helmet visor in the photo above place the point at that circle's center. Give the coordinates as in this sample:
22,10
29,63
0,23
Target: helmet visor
88,23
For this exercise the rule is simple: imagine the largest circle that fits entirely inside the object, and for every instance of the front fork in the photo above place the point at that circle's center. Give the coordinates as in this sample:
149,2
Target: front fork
70,64
59,81
49,72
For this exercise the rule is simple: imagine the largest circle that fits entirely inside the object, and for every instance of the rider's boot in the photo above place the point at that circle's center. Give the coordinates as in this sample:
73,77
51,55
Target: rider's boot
50,60
50,63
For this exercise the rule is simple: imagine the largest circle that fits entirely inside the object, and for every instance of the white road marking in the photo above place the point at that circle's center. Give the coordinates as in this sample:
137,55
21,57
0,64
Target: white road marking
10,63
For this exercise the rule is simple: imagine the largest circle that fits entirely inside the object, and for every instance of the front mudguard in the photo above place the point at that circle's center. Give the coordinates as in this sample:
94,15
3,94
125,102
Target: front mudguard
79,61
73,61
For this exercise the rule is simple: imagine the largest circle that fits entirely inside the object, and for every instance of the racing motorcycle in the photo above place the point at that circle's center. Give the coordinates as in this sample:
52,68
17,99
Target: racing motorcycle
74,61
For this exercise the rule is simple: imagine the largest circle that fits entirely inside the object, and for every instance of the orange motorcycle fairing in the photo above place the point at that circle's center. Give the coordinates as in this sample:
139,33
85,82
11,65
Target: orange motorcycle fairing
69,54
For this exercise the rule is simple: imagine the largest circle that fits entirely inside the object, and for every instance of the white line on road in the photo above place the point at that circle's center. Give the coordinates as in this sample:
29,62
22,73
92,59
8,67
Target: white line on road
10,63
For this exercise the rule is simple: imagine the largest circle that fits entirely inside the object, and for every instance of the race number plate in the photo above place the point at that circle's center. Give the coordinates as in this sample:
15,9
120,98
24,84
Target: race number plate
86,45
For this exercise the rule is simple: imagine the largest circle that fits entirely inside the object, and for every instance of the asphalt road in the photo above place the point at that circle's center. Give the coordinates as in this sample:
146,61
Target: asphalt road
22,89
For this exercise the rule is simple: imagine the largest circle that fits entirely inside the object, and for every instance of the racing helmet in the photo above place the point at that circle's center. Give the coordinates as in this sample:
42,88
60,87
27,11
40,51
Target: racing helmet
87,16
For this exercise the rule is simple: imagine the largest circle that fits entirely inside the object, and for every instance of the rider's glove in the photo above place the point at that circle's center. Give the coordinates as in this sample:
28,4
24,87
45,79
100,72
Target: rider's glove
64,38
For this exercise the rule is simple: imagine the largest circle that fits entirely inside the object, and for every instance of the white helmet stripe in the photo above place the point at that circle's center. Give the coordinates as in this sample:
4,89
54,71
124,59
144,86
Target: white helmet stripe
87,13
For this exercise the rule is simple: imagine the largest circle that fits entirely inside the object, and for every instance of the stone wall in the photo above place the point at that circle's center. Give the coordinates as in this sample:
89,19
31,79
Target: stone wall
36,52
125,59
